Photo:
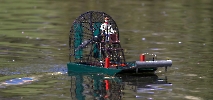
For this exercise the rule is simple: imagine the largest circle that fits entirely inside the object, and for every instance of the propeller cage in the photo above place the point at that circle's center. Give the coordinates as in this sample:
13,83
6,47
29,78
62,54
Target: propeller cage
87,42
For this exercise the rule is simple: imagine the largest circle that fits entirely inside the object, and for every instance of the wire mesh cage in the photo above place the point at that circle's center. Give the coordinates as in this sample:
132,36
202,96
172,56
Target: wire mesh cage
88,43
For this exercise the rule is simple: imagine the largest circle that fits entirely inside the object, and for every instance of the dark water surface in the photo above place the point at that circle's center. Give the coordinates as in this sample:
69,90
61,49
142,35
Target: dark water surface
34,49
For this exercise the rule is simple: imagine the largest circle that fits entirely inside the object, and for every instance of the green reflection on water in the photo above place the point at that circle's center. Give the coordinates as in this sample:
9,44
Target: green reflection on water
24,91
29,34
34,36
3,78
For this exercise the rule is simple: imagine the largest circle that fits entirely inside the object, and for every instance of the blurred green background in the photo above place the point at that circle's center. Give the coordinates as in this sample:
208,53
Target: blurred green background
34,42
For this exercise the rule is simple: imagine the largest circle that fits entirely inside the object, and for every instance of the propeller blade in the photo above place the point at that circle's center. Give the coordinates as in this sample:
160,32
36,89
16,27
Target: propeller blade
84,44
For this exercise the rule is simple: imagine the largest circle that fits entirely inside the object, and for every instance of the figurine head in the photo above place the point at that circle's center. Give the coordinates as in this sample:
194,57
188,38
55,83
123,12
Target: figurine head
106,19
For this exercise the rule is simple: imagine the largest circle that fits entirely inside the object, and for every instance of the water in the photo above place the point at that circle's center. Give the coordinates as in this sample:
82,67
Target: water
34,47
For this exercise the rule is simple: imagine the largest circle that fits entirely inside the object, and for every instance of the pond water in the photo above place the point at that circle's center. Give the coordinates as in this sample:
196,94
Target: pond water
34,50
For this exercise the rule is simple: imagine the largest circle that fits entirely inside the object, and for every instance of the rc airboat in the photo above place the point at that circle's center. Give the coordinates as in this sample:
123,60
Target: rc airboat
95,48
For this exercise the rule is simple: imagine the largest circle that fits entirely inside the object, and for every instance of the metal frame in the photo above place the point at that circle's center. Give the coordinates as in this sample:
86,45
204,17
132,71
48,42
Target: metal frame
86,29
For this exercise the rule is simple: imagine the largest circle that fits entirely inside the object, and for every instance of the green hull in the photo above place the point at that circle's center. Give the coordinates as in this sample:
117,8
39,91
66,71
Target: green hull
81,68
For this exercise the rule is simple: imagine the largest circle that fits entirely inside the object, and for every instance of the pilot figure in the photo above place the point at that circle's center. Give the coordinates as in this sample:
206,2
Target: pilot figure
107,29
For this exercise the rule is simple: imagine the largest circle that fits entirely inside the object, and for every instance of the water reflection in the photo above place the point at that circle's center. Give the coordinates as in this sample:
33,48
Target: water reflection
101,87
17,81
34,36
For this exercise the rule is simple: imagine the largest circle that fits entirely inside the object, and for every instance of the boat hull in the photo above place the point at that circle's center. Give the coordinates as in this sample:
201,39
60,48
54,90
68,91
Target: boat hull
82,68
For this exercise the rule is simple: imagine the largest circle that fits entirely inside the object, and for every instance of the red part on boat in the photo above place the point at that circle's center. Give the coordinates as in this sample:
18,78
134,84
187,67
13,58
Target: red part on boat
123,64
107,84
106,62
142,57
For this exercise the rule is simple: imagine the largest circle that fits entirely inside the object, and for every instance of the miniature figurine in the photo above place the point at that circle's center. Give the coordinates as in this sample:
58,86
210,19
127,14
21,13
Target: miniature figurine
107,29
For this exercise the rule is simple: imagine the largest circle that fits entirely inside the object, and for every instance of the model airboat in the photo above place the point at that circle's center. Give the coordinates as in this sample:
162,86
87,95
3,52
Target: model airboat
95,48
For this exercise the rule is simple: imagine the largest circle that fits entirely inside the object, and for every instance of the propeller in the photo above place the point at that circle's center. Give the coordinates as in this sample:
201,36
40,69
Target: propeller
87,42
